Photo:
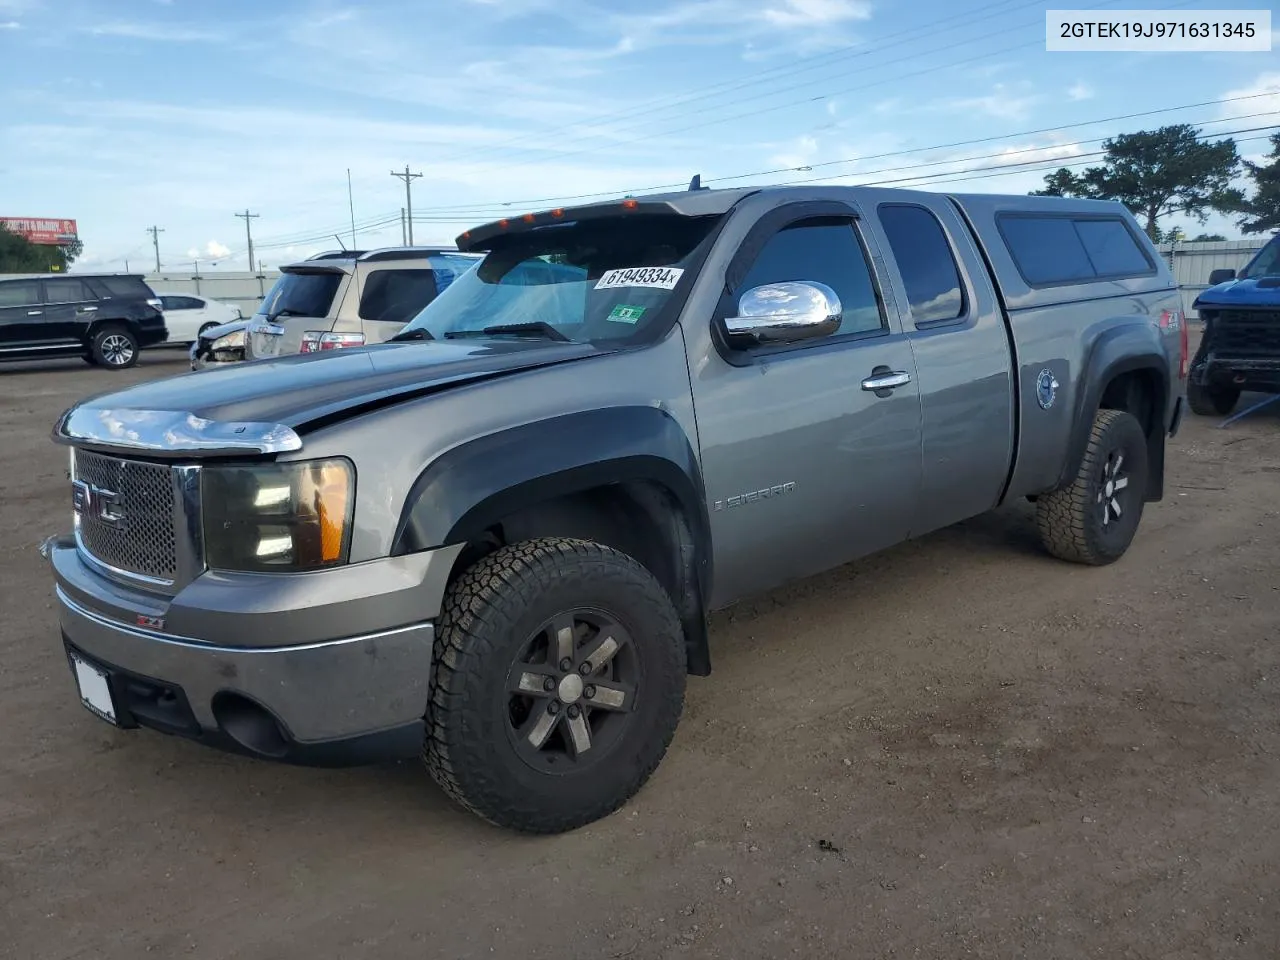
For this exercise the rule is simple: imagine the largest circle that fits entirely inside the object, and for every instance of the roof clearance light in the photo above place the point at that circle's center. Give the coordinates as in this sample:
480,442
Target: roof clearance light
466,235
527,218
631,204
557,212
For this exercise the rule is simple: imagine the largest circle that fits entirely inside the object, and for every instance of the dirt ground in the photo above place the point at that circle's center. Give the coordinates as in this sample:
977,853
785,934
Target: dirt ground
957,748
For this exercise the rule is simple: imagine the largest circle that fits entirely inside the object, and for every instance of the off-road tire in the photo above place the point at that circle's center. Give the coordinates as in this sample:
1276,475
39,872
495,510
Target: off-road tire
104,352
1070,519
489,613
1211,401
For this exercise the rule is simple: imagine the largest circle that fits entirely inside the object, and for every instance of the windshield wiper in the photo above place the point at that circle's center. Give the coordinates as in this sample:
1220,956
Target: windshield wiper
418,333
539,328
285,312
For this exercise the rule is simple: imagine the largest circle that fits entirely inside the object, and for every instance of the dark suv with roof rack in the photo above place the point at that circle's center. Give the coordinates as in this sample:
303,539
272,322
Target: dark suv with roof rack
350,298
104,318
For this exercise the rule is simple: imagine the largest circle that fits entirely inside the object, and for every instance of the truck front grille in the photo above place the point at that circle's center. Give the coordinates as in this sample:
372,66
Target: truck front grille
1246,333
125,515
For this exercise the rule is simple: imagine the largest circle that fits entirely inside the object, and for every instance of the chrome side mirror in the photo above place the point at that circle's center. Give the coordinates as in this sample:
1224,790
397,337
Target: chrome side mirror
787,311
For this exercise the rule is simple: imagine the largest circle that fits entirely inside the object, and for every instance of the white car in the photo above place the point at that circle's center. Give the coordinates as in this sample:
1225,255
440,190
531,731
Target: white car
186,315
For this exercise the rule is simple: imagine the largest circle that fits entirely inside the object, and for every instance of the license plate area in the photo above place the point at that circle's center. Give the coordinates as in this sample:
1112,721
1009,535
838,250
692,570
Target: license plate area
94,687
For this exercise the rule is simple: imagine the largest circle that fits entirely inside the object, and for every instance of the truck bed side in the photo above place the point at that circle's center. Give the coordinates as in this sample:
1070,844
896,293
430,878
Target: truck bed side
1110,340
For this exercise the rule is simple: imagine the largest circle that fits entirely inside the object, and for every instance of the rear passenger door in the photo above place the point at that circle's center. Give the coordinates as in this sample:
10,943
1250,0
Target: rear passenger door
807,466
69,307
391,298
956,328
21,316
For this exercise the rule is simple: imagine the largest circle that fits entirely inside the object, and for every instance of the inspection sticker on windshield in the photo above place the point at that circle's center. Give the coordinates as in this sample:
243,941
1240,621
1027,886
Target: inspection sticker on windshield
663,278
625,314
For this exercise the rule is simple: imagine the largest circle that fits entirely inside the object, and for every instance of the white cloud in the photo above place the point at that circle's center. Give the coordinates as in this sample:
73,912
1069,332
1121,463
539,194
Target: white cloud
1264,94
10,25
1080,91
155,31
812,13
1001,103
799,153
216,250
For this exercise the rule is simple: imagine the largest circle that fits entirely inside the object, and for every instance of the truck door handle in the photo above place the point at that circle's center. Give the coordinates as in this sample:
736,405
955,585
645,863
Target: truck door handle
886,380
86,309
34,313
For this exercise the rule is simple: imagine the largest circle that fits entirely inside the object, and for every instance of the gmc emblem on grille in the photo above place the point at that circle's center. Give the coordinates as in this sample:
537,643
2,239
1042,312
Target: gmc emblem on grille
96,503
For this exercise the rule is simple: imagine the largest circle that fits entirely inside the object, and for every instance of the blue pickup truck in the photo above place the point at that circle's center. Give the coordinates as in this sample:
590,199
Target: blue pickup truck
1240,349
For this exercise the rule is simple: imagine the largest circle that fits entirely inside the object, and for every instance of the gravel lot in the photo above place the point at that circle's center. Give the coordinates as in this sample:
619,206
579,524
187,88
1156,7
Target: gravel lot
959,747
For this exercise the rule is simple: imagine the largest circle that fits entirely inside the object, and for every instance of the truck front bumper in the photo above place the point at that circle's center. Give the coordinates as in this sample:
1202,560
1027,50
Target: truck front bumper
356,698
1261,374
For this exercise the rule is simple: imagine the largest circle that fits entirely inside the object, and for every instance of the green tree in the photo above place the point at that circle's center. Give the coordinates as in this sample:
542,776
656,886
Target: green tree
1204,237
1262,210
20,255
1062,183
1158,172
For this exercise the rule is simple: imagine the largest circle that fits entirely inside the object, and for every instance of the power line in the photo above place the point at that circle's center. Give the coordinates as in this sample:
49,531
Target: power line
408,179
705,122
482,207
804,65
1001,169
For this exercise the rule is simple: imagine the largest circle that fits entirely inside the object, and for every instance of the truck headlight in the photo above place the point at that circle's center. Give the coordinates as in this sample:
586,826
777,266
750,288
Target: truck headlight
278,517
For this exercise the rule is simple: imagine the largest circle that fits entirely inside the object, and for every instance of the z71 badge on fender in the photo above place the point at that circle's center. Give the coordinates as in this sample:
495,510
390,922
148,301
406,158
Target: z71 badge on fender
755,495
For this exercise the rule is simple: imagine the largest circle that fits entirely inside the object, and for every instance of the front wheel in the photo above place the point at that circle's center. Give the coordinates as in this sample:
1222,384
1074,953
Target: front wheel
1094,520
558,683
1212,401
115,348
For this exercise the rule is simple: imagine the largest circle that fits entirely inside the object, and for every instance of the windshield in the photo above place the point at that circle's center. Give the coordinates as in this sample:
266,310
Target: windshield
591,281
1265,264
301,294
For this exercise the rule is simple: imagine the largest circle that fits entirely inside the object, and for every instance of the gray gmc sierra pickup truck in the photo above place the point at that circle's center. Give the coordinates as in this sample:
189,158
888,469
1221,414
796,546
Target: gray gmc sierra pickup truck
495,540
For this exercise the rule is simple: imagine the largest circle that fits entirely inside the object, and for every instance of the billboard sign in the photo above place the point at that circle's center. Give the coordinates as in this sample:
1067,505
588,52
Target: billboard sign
41,230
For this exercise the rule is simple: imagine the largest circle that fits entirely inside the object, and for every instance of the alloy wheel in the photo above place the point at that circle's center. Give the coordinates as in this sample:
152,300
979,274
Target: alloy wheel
572,691
1114,482
117,350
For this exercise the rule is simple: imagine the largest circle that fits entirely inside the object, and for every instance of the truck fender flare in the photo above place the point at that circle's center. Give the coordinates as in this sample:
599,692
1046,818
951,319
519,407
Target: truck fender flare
1119,350
470,487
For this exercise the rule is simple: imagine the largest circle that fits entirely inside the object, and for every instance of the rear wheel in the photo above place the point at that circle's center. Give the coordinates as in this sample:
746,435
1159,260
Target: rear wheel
1094,520
558,682
115,348
1211,401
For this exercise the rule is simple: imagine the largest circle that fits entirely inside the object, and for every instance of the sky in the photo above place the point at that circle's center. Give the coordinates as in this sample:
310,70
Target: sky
127,114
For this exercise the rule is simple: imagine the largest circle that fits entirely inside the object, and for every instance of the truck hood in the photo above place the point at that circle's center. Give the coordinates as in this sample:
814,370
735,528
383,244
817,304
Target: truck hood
1262,292
233,409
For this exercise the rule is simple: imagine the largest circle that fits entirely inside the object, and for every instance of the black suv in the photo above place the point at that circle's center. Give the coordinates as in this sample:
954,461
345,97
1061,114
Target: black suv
105,318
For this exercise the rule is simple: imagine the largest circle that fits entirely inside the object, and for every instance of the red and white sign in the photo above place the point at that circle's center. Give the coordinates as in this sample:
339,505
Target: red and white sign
41,230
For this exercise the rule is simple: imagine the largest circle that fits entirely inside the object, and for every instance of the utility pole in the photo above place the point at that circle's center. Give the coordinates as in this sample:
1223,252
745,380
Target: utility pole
248,234
351,206
155,240
408,178
404,238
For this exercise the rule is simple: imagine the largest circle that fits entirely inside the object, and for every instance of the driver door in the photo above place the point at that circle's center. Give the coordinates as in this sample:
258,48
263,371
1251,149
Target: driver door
807,465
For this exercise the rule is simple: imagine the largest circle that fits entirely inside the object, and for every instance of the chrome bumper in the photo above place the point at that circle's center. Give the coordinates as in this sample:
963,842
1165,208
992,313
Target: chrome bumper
318,690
